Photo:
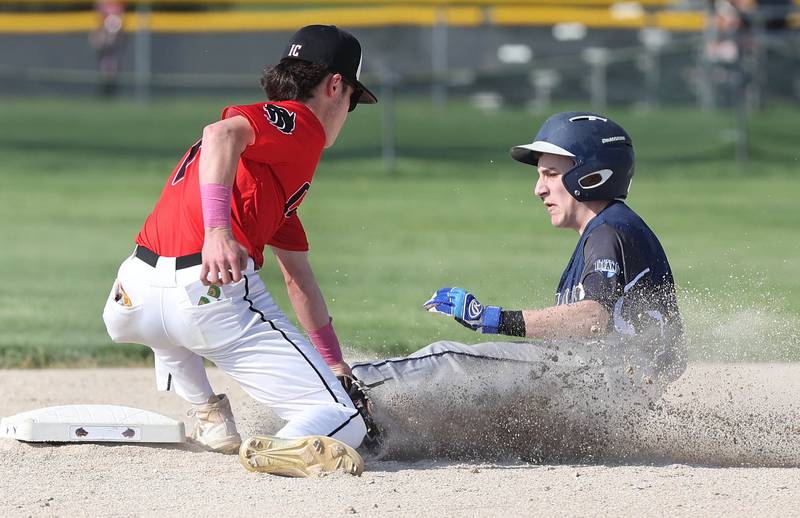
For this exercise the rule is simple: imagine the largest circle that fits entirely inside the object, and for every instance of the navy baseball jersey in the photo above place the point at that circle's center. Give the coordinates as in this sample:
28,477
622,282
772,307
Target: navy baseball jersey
620,263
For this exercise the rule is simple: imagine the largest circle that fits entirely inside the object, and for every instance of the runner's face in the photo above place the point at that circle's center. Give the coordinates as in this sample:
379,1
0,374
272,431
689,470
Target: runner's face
560,205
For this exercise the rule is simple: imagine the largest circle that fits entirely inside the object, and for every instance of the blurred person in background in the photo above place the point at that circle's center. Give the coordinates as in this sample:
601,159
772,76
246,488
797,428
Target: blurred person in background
734,22
108,41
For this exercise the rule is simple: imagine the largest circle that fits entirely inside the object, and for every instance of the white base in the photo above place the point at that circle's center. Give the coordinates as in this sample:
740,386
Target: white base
92,423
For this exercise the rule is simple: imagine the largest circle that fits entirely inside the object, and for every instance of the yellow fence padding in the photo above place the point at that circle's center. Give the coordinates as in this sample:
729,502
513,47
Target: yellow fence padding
352,17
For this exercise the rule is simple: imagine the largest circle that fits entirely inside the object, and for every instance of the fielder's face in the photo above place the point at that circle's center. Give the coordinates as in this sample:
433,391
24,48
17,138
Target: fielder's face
561,206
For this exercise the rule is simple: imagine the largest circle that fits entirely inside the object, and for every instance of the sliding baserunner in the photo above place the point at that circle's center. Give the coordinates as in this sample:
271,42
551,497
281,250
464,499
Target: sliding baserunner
615,317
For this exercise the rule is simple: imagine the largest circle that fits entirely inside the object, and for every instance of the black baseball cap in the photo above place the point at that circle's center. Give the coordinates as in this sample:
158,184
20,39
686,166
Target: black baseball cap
338,50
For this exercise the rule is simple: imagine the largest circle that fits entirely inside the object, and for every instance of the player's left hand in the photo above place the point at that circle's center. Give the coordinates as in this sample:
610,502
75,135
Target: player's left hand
465,309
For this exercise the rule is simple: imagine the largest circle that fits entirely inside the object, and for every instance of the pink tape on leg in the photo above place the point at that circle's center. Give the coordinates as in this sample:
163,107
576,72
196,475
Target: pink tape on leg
326,342
216,201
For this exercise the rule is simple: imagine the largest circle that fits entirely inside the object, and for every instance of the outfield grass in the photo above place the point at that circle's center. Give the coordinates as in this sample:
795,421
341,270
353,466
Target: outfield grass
79,177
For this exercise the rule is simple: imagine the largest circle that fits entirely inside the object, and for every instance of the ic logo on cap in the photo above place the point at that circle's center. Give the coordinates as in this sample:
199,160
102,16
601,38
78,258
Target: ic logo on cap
294,50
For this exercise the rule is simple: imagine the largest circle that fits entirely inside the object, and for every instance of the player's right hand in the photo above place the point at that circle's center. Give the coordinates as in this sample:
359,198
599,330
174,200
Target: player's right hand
224,258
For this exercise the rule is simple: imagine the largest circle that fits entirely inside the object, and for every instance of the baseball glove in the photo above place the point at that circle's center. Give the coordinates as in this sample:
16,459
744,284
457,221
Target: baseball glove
358,393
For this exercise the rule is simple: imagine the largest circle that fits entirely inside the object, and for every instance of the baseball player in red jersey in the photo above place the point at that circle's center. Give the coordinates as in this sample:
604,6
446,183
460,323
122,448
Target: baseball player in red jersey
191,289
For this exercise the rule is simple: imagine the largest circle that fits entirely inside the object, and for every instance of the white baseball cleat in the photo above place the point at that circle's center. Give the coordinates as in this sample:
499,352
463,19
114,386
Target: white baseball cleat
216,429
299,457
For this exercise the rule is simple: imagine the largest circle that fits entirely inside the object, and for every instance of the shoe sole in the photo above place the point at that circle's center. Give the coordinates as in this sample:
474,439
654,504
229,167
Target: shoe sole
299,457
228,445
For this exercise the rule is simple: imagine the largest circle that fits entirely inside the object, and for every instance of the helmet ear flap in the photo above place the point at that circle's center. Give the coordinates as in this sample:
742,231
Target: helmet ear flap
571,180
607,176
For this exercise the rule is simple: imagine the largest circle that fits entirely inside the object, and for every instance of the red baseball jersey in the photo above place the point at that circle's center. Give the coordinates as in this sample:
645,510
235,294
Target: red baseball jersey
272,178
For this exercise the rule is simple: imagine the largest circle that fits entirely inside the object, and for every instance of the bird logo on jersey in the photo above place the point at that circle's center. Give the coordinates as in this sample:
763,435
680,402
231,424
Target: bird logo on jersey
280,117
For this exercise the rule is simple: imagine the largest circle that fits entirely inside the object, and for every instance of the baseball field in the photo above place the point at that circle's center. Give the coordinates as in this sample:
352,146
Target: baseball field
79,177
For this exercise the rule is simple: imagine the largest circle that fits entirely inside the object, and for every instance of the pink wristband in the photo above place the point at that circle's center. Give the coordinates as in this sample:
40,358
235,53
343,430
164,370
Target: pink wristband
326,342
216,201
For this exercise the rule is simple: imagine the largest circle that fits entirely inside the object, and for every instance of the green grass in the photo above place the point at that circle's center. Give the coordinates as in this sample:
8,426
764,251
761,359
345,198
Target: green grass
79,177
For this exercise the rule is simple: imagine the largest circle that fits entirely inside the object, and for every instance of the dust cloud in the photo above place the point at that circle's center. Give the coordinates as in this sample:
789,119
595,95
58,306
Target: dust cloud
705,418
731,414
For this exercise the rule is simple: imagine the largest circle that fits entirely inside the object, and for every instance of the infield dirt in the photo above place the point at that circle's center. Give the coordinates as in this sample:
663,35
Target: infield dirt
725,440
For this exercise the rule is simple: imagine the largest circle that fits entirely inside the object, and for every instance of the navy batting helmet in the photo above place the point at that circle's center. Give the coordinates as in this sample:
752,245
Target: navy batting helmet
601,149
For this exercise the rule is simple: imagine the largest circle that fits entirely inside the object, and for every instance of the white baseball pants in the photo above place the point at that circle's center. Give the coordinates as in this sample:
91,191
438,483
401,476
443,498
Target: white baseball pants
241,330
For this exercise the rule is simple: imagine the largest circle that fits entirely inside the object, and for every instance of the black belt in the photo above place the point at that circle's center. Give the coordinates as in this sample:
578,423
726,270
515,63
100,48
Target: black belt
184,261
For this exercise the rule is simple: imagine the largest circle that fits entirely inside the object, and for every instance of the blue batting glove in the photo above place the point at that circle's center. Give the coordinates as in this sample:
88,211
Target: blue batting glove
465,309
